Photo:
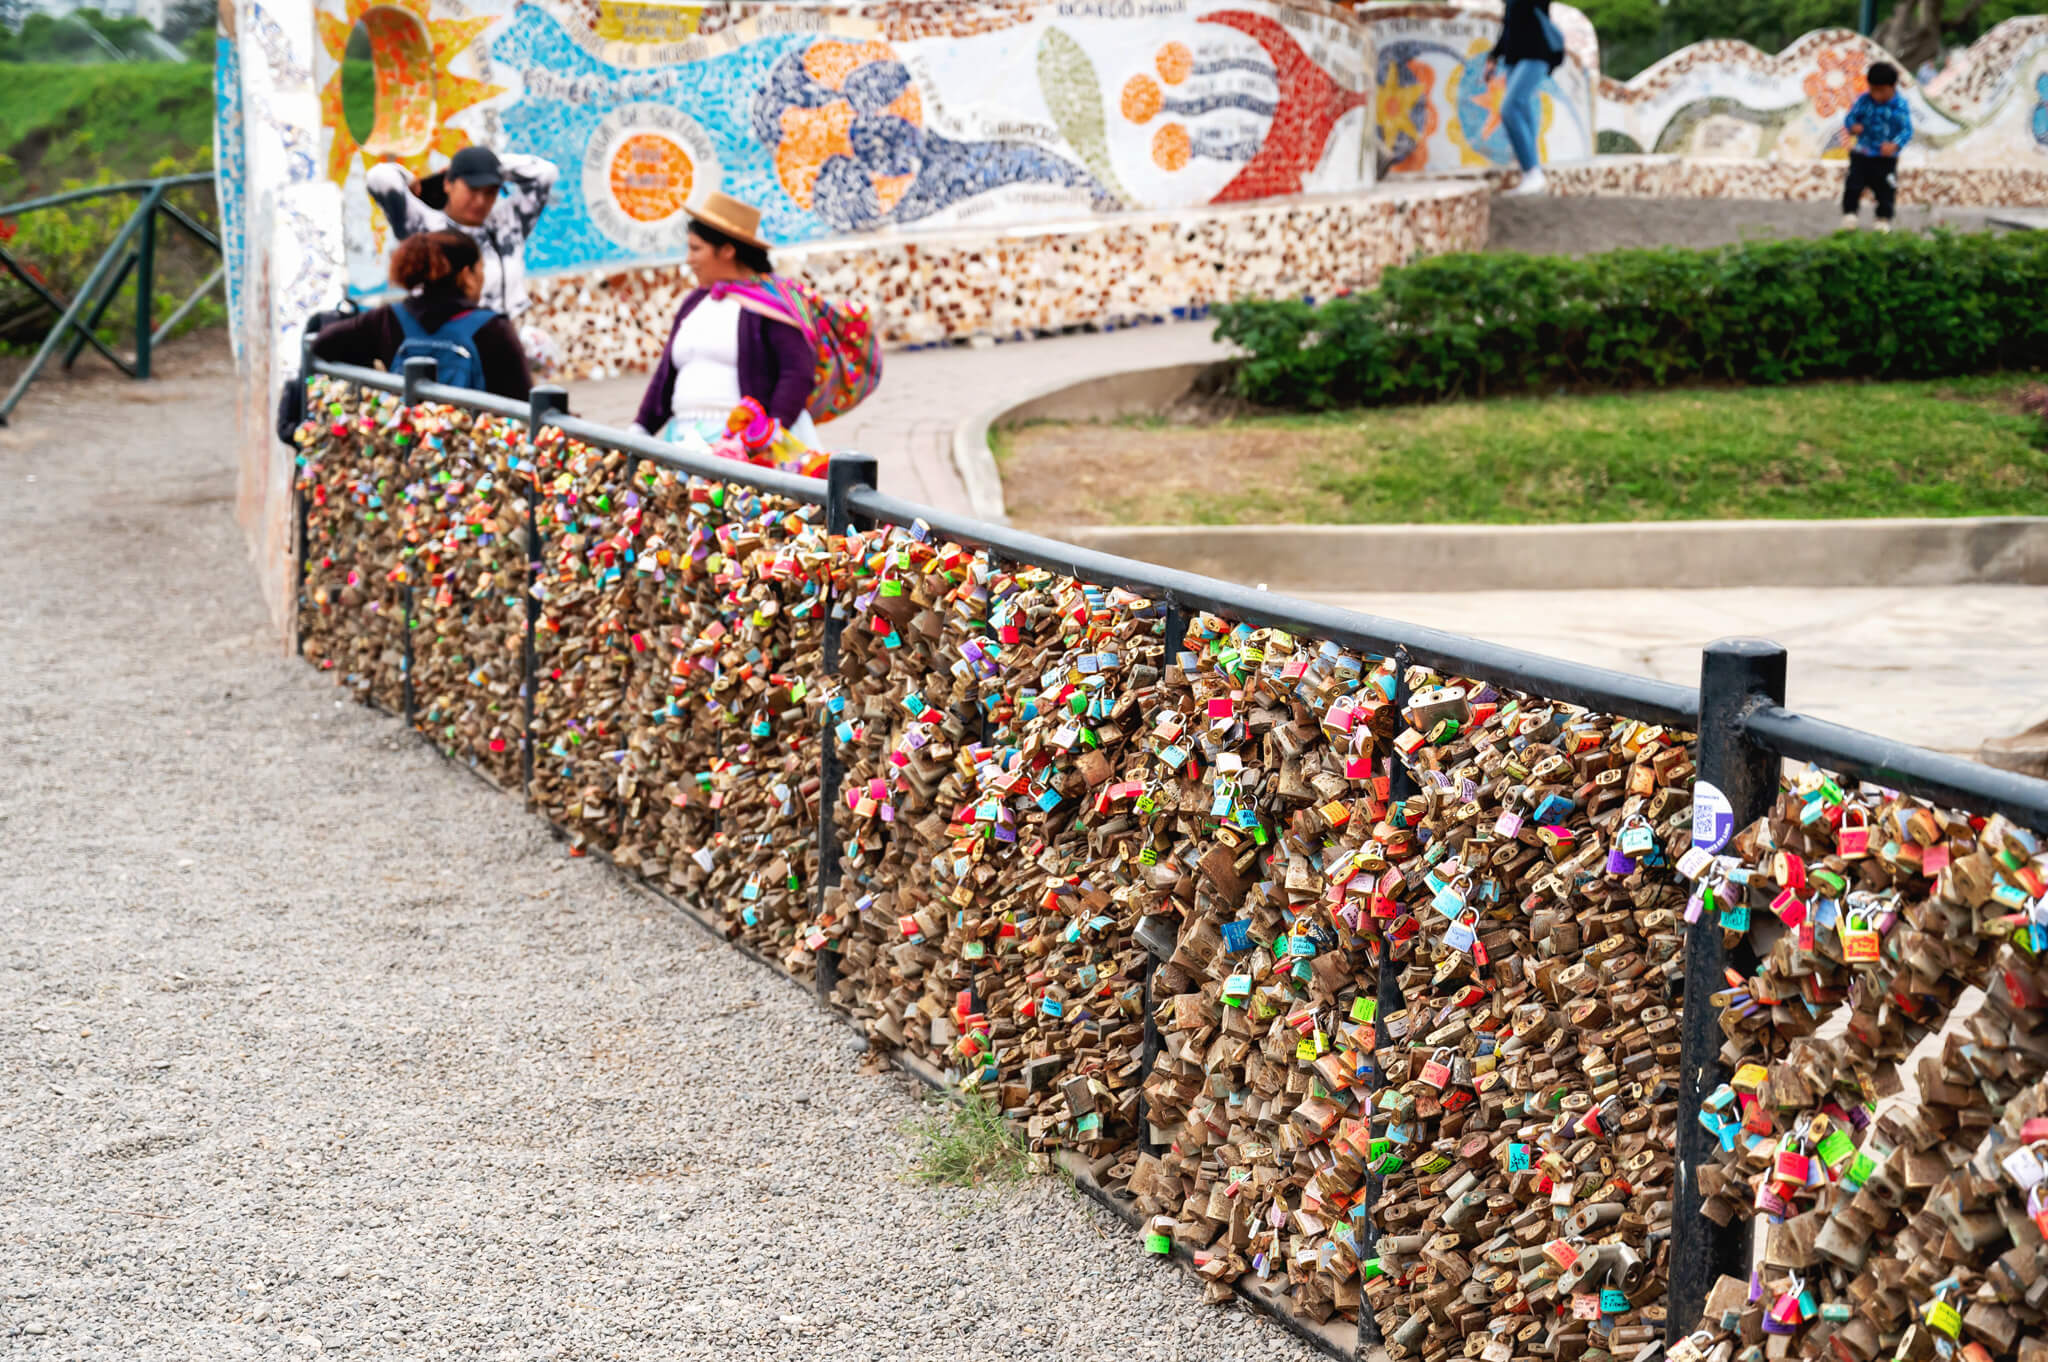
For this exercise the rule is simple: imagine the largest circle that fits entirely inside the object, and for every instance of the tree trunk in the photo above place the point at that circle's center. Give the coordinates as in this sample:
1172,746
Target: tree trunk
1912,33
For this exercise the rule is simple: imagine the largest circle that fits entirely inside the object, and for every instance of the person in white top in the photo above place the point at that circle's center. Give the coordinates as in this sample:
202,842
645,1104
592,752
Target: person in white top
493,200
732,338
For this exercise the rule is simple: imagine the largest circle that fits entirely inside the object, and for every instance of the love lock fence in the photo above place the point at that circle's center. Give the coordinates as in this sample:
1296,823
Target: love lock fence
1380,973
132,253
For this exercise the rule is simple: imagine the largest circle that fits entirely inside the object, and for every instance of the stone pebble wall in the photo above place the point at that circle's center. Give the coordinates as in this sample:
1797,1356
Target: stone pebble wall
1361,987
1672,177
926,288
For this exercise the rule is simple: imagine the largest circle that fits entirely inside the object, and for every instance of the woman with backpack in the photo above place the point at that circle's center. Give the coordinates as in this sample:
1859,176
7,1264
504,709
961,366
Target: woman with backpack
472,347
741,333
1530,47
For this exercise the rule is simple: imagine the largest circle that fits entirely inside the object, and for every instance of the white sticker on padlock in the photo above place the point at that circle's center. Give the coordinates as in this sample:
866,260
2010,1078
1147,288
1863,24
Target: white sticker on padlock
1713,817
1694,862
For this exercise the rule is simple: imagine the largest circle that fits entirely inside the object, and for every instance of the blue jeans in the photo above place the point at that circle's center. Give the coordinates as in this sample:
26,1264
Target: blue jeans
1521,108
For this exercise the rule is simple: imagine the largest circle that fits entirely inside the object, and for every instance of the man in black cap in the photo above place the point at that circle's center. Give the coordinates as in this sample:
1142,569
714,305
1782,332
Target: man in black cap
494,199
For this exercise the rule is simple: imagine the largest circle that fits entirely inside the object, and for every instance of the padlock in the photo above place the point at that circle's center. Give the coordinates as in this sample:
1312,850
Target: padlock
1852,836
1437,1070
1637,838
1860,941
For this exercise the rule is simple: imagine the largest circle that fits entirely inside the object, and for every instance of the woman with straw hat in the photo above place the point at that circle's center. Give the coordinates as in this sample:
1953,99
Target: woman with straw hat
737,335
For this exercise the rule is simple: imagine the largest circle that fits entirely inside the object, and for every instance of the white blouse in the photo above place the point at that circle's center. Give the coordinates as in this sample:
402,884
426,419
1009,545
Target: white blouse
706,353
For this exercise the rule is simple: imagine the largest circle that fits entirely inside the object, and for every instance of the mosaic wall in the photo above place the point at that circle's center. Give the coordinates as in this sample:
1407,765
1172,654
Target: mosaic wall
230,154
281,248
1726,99
848,119
1141,267
1437,111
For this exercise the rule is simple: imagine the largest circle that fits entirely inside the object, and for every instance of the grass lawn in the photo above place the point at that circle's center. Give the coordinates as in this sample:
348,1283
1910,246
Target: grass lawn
1951,448
60,122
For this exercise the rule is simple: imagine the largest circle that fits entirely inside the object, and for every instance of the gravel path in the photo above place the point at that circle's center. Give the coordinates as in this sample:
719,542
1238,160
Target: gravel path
310,1044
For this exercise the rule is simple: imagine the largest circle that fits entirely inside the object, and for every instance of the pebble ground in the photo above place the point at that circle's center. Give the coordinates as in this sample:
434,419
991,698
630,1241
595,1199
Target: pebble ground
312,1045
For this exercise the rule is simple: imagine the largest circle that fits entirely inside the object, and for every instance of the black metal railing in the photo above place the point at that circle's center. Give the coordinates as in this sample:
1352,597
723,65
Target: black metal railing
132,252
1737,711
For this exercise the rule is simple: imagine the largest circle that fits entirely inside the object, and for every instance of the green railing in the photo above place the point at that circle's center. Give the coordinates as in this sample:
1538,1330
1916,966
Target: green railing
132,252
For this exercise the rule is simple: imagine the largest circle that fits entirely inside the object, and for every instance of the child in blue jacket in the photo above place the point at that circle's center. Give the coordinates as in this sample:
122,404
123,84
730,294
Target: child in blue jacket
1882,125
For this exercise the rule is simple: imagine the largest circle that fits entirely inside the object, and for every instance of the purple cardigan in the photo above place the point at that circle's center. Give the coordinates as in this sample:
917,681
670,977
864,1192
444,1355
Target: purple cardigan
777,366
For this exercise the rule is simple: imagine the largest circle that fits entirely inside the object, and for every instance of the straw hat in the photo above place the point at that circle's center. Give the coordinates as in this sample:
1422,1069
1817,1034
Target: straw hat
740,221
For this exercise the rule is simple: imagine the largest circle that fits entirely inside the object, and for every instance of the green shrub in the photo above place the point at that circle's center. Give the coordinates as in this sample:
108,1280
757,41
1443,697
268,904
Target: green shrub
60,246
1847,306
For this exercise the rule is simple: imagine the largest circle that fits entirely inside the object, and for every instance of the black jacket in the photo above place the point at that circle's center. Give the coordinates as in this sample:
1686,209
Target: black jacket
1521,35
372,338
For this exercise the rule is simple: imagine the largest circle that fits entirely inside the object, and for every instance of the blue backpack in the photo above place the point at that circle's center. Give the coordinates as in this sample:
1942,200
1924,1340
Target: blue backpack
452,347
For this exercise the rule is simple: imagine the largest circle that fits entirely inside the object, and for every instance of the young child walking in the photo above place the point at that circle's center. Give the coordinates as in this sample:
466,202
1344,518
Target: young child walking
1882,125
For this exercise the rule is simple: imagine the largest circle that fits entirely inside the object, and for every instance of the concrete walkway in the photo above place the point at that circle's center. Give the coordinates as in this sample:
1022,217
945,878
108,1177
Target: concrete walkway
1946,667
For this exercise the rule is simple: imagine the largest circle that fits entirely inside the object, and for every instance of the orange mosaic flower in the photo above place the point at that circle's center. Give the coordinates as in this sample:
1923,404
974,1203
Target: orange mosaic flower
1171,147
1142,99
1839,79
1175,63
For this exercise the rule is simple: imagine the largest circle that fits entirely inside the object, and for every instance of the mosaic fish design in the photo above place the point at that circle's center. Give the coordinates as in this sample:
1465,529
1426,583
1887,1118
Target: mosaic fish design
847,130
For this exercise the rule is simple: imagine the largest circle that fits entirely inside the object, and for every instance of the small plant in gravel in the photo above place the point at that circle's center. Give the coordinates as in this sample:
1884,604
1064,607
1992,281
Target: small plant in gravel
968,1144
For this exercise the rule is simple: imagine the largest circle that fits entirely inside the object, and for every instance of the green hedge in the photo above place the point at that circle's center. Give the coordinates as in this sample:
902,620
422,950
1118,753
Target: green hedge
1850,305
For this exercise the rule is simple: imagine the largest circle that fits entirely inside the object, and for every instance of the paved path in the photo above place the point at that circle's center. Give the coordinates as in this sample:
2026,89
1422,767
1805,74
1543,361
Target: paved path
310,1045
925,394
1945,667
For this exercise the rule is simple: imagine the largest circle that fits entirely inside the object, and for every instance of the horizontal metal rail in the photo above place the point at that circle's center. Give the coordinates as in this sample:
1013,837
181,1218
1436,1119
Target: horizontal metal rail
792,485
1899,766
79,318
1554,678
94,191
383,382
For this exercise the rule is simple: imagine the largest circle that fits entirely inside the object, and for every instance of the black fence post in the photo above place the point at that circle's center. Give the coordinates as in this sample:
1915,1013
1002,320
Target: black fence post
1737,782
300,547
145,278
420,369
544,402
842,475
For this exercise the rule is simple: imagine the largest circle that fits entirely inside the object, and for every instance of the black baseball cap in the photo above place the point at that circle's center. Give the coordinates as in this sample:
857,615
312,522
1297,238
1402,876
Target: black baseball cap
476,167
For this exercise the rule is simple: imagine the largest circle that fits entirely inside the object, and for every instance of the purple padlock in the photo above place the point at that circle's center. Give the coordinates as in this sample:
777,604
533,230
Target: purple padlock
1619,862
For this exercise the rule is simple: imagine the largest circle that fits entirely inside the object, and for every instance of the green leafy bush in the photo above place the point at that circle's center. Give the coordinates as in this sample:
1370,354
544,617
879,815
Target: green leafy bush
59,247
1848,306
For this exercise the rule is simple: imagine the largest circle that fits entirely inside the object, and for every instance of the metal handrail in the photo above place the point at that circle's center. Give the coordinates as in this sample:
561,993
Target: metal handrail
1641,697
1737,712
79,318
95,191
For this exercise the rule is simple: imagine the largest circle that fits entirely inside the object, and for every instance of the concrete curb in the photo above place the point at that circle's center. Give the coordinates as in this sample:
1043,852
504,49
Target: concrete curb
1653,556
975,462
1103,397
1661,555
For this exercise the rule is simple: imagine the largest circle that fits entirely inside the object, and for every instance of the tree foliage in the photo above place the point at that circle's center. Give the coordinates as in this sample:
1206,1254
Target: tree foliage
1636,33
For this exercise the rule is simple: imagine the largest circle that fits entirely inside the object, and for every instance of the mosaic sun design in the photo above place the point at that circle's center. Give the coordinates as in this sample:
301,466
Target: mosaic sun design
416,92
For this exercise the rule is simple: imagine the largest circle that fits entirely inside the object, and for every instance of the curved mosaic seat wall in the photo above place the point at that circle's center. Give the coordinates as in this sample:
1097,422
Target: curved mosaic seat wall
1742,123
